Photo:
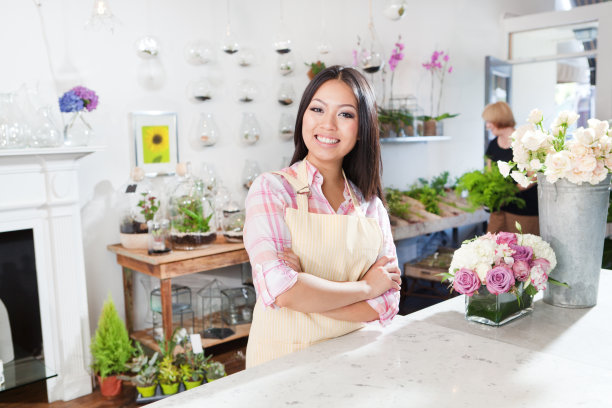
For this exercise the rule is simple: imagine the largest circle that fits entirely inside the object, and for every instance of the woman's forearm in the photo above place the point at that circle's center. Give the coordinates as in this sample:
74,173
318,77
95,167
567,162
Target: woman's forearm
357,312
312,294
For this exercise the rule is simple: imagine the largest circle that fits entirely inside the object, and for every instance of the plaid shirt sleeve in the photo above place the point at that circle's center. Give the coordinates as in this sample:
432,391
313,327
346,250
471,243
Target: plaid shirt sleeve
387,304
265,235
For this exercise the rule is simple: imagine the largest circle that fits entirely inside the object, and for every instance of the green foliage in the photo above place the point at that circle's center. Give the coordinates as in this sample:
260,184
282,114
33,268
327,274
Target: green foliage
191,216
395,204
430,193
145,368
193,365
397,118
438,118
214,370
168,372
316,67
489,188
111,347
148,206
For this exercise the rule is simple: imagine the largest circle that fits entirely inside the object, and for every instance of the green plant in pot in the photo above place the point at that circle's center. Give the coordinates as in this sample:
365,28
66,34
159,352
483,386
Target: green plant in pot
169,376
133,227
145,370
214,370
192,366
111,349
315,68
190,226
489,188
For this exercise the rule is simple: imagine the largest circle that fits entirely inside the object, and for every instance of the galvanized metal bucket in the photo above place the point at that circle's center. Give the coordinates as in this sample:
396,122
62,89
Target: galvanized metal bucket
573,222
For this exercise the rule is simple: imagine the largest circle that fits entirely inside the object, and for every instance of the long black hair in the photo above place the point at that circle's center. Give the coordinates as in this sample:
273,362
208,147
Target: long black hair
362,165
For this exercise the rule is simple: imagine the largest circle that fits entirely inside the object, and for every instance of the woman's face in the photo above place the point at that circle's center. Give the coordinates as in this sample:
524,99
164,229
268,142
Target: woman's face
330,123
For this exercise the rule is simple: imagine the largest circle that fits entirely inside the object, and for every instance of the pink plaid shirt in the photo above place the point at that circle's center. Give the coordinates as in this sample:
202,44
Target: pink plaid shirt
266,233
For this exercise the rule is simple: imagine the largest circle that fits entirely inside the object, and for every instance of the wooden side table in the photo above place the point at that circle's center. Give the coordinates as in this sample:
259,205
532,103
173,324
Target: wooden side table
171,265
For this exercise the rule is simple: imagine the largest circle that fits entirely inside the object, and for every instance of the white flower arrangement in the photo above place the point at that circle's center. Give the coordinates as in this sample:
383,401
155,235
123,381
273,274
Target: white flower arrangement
587,157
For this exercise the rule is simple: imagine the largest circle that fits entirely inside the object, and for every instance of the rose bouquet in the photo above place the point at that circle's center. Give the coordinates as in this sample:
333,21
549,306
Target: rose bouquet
587,157
500,273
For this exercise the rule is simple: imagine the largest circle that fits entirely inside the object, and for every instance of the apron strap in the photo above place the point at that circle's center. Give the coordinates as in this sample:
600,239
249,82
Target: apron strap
300,185
356,204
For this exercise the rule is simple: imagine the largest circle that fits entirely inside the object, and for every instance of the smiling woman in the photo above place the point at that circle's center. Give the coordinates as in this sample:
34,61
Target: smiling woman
317,232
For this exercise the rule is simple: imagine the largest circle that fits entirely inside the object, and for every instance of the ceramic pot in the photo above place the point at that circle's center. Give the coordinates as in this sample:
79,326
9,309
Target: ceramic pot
110,386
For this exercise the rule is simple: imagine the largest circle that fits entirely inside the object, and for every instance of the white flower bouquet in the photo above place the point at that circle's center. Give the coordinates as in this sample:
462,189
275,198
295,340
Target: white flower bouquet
586,157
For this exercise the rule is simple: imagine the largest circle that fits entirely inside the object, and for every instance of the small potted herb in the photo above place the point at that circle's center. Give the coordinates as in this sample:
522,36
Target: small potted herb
192,366
214,370
145,371
169,376
315,68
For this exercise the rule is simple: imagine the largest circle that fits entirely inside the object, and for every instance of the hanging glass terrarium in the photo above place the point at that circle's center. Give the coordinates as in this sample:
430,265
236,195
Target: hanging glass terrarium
250,131
192,215
286,94
207,132
285,64
249,173
200,90
233,222
247,90
286,126
198,52
371,58
229,45
395,9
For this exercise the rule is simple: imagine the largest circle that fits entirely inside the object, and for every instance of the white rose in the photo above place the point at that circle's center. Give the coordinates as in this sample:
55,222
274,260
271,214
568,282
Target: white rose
557,165
520,178
517,135
608,161
504,168
535,164
533,140
561,118
585,136
520,156
577,149
600,127
585,163
605,143
535,116
572,117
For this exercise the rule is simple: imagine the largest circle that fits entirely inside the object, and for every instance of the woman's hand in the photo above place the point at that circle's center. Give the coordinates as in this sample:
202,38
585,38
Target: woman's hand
290,259
381,278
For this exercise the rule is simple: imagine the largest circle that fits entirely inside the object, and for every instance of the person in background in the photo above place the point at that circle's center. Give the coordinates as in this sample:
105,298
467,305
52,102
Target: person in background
317,232
500,122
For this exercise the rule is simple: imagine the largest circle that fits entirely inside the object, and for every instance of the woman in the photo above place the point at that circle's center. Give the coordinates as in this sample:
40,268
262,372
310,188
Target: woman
500,122
317,233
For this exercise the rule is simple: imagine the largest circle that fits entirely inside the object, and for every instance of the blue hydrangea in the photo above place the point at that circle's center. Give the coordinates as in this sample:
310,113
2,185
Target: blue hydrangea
70,102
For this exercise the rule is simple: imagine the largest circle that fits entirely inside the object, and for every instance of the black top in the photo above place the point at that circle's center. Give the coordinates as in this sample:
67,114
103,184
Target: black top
530,195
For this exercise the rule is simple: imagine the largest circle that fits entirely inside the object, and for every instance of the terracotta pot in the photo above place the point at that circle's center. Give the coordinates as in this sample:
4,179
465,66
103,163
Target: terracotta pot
110,386
385,130
429,127
310,74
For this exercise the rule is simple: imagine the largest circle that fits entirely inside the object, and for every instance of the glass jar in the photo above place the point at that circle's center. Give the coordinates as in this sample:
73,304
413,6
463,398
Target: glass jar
250,132
286,126
207,131
496,310
249,173
138,203
192,215
233,222
13,129
286,94
45,133
77,132
159,237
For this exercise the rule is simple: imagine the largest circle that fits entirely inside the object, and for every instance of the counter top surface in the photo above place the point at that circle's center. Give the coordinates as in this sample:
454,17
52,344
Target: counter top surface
554,357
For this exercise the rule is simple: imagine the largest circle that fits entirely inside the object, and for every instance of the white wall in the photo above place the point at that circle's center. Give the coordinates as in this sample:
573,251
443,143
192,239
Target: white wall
467,29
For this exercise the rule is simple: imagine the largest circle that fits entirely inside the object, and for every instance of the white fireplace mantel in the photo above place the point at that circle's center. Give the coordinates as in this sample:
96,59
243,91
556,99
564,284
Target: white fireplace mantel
39,191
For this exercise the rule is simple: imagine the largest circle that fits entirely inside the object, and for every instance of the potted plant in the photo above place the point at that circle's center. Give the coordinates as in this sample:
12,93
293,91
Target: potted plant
133,228
145,371
489,188
315,68
192,366
438,67
214,370
111,349
168,376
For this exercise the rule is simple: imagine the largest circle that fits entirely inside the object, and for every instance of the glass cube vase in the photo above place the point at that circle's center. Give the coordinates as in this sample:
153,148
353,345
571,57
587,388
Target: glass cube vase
497,310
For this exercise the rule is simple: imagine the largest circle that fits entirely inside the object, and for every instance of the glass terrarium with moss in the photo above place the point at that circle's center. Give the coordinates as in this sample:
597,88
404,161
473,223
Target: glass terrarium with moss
192,215
138,203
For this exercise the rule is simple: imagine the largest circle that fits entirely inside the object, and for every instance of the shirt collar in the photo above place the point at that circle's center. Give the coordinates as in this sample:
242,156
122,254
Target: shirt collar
315,178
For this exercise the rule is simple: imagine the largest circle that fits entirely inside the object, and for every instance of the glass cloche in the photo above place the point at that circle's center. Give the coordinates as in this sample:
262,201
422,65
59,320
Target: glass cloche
192,215
138,203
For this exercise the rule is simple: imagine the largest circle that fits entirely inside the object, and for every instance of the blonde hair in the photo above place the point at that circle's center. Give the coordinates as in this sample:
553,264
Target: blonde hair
499,114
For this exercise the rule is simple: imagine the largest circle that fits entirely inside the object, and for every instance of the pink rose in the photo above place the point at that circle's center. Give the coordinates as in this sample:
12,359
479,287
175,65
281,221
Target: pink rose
506,238
499,280
522,253
543,263
521,270
466,282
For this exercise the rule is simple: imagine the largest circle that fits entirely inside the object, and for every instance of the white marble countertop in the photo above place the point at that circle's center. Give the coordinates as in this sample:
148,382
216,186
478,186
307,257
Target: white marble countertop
554,357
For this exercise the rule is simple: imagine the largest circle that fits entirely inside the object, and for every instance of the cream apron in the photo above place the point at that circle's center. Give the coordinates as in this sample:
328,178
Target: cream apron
333,247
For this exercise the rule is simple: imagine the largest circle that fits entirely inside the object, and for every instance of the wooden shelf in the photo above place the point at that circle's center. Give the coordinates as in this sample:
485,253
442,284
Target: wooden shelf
404,229
413,139
146,338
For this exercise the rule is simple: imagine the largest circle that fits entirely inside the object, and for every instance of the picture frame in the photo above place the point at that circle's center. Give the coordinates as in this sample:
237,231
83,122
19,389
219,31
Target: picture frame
155,141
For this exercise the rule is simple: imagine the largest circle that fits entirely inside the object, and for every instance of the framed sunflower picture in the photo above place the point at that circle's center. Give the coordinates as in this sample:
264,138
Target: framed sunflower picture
156,141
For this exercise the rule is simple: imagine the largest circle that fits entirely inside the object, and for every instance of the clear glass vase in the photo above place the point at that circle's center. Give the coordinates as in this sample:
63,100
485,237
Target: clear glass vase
496,310
14,132
77,131
45,133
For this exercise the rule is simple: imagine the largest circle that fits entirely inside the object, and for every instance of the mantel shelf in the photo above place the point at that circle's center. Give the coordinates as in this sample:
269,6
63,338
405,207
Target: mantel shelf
413,139
62,151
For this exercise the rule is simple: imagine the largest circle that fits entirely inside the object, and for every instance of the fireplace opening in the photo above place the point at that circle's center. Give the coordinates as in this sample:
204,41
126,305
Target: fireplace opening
19,292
